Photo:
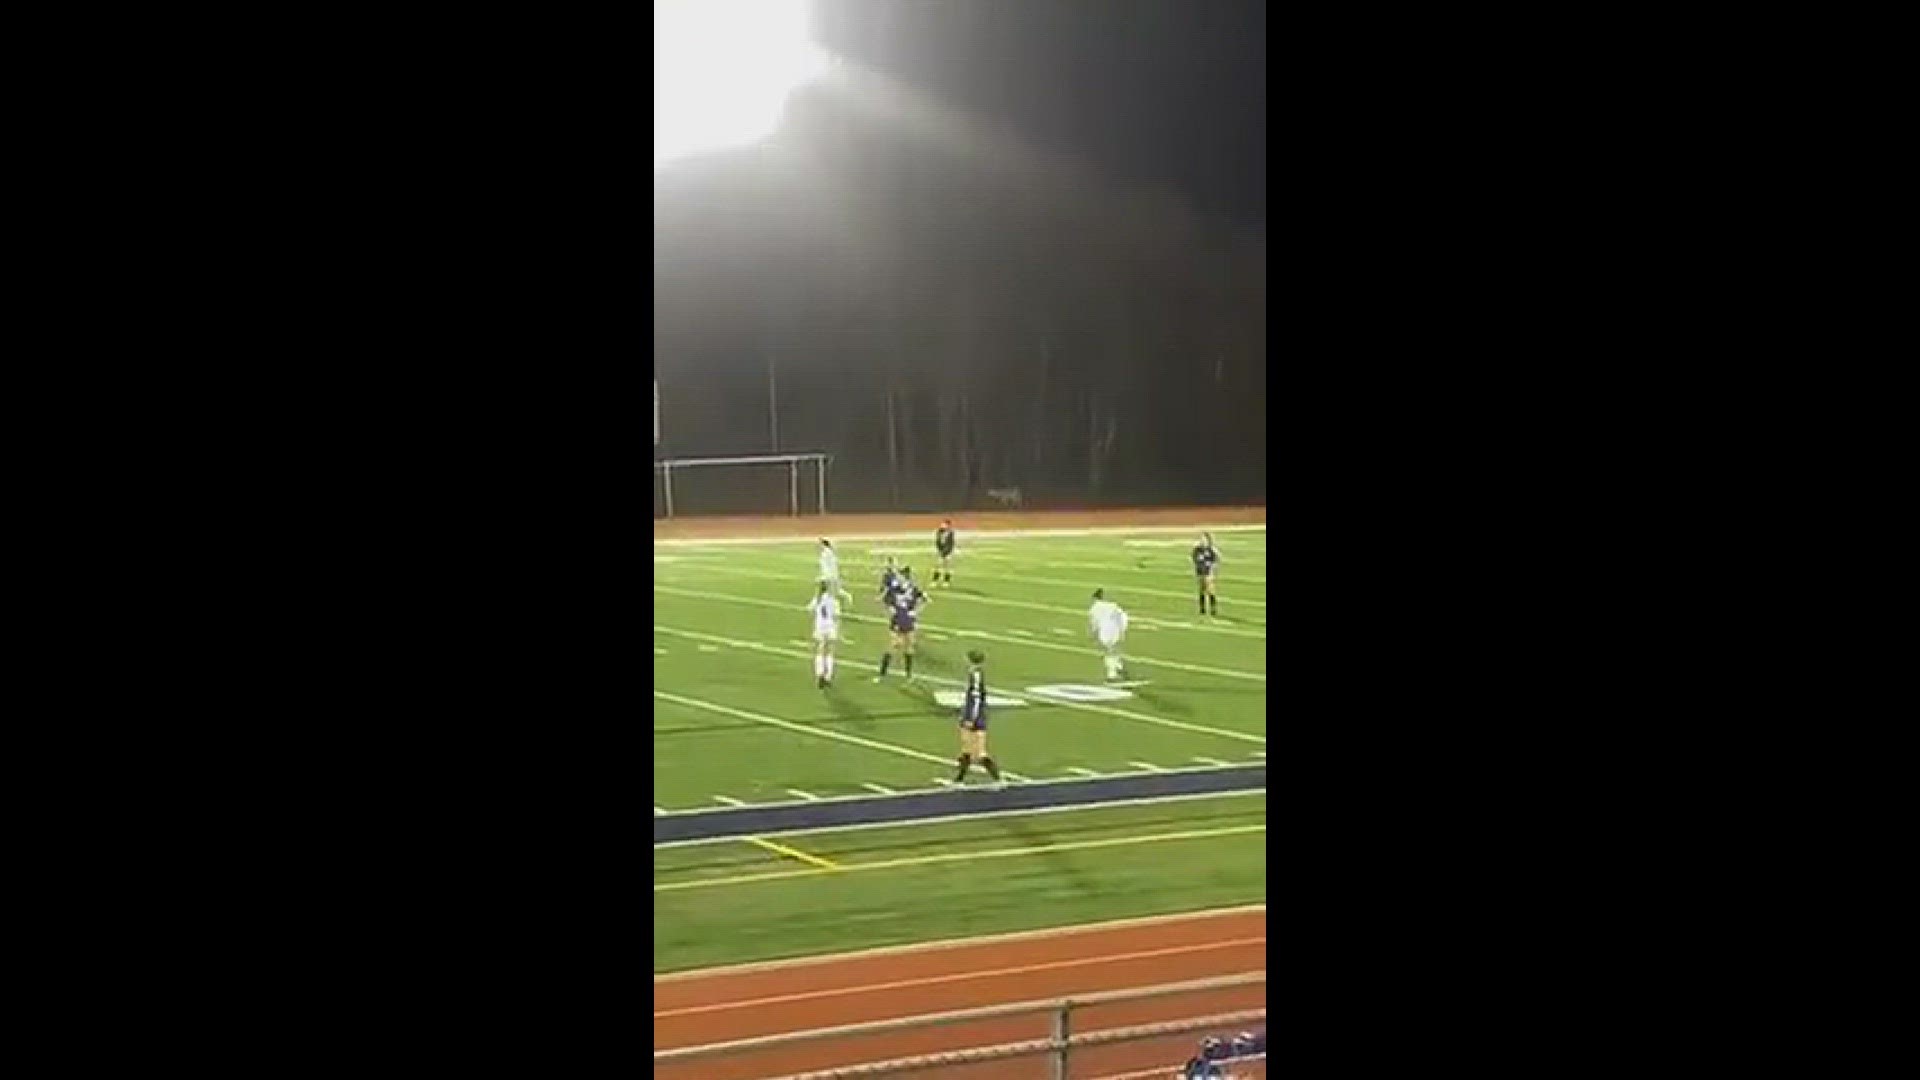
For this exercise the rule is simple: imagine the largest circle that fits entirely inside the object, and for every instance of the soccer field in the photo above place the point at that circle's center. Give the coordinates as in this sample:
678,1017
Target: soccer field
738,720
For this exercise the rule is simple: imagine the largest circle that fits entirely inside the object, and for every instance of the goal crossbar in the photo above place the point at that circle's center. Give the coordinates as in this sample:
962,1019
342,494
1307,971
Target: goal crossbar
791,461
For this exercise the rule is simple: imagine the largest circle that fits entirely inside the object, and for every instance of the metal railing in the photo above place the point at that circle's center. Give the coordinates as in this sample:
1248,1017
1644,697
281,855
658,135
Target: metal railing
1060,1044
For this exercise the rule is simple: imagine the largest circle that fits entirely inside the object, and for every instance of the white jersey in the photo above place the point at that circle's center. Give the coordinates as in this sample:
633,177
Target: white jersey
829,566
826,617
1109,623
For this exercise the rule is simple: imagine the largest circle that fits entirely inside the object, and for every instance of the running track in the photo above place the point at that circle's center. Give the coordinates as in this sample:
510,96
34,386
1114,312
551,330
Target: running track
724,1004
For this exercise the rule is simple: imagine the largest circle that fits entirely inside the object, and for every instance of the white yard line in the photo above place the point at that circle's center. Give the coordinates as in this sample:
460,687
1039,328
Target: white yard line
1054,609
802,729
1145,718
1132,658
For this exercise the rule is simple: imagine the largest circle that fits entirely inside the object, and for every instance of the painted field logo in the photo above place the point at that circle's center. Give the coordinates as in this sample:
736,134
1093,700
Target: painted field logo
1078,693
953,699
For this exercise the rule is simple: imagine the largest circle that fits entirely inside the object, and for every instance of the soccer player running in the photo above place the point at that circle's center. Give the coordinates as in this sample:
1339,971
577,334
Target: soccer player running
943,540
1109,626
973,722
1205,558
830,569
826,633
904,607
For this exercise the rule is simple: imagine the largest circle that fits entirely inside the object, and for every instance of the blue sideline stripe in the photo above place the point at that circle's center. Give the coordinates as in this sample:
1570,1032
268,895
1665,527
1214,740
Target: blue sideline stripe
790,817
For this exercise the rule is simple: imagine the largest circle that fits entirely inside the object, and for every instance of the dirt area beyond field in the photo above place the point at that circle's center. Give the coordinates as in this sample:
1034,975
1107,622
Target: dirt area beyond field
964,523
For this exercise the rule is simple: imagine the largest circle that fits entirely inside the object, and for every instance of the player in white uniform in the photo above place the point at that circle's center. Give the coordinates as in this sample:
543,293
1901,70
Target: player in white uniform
1109,625
830,569
826,633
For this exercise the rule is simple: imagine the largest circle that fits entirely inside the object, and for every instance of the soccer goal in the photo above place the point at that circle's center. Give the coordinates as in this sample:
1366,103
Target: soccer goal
740,485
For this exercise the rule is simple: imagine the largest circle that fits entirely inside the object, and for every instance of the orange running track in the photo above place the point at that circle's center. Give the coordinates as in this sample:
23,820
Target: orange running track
725,1004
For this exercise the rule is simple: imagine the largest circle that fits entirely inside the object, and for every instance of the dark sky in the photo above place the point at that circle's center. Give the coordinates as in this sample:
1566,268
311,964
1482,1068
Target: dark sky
1170,91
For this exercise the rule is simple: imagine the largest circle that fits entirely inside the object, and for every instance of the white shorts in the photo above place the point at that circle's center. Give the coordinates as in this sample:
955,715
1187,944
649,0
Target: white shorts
826,633
1110,643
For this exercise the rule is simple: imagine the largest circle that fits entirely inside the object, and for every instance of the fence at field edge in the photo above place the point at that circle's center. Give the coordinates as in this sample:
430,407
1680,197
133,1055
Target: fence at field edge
1059,1045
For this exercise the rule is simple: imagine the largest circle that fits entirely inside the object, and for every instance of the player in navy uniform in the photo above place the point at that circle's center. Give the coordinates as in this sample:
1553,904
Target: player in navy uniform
904,606
1205,558
889,581
943,545
973,721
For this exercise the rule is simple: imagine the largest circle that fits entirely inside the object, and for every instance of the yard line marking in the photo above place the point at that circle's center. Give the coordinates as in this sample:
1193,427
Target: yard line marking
878,788
983,812
742,571
1166,568
947,944
1210,761
708,648
1063,631
1201,669
1114,530
728,800
1081,771
793,853
963,976
659,809
1123,588
1108,710
818,733
1147,765
807,795
969,856
1259,753
943,781
658,651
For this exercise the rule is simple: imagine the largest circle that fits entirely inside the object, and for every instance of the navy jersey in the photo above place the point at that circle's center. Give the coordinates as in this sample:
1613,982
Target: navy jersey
943,540
973,710
890,580
1204,556
905,603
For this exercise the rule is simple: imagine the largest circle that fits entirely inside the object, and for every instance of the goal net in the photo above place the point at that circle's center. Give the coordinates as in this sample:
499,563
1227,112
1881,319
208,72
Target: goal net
772,484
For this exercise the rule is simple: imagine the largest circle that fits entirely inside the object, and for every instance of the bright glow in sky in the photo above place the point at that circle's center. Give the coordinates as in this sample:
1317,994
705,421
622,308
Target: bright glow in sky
722,70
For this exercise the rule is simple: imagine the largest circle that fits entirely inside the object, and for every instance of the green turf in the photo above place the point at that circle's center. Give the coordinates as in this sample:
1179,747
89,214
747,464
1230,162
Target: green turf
1047,883
743,721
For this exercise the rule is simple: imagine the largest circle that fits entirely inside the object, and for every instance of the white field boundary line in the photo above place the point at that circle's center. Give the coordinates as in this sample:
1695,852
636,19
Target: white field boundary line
963,857
1116,530
962,976
985,635
973,815
1053,609
1108,710
802,729
979,941
1121,588
1116,567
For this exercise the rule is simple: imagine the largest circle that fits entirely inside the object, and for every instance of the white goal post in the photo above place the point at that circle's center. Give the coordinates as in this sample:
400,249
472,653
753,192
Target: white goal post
668,469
